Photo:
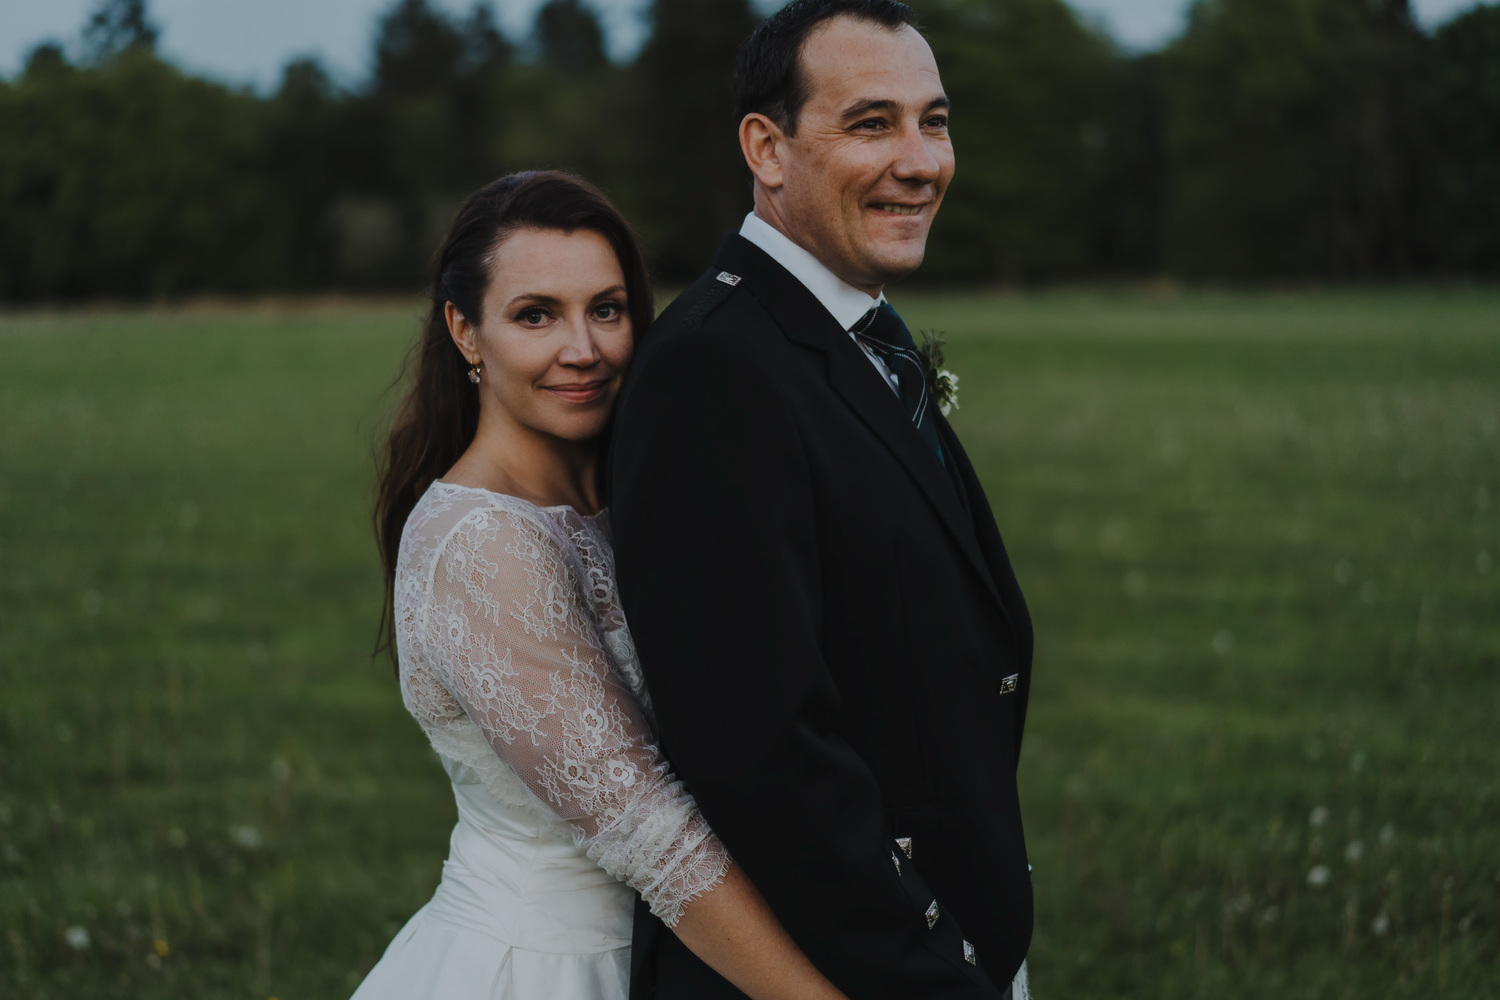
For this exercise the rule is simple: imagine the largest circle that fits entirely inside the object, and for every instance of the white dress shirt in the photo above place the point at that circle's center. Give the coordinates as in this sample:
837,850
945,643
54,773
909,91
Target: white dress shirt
843,301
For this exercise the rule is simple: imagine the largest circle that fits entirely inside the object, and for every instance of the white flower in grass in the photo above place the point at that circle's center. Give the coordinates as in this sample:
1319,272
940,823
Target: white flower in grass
246,836
1319,816
77,937
1354,851
1319,876
1380,925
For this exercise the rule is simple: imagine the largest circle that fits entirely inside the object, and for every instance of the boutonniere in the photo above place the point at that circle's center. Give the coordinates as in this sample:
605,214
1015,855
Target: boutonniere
941,383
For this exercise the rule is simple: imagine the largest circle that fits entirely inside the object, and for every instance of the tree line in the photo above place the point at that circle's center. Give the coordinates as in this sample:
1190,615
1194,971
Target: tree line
1304,140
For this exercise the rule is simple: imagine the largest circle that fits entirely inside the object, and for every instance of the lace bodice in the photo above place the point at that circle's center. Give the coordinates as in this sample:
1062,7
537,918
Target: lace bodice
516,660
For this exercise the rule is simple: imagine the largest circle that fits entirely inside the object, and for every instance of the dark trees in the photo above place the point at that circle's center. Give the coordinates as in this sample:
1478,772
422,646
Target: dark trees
1295,139
1465,107
1030,90
1303,139
693,186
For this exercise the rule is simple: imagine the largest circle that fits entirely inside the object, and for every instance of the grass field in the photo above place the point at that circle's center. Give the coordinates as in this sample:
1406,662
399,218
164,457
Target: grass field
1259,535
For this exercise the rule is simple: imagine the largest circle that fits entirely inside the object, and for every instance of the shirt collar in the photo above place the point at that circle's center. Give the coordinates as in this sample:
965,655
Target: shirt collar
846,303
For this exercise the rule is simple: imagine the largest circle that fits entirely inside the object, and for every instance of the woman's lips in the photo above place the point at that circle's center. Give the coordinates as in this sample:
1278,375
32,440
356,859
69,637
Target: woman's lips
580,392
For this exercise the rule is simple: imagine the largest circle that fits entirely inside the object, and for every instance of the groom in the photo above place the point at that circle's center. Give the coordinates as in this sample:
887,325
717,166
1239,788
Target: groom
836,648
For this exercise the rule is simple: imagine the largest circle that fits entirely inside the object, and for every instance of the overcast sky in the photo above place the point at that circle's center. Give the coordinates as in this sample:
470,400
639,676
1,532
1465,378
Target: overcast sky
249,41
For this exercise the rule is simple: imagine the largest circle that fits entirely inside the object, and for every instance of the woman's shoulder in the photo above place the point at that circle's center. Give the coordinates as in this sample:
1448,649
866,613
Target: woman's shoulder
464,521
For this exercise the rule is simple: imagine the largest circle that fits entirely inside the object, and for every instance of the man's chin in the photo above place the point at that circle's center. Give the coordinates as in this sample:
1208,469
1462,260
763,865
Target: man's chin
895,266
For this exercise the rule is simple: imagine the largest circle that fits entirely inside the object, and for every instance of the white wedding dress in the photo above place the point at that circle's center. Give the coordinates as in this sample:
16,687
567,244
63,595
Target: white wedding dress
515,660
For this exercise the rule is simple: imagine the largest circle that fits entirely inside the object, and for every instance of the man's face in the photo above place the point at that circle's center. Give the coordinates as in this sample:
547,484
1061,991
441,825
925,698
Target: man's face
871,159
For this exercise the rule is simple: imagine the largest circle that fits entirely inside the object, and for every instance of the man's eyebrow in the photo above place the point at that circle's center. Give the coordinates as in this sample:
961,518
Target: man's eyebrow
872,105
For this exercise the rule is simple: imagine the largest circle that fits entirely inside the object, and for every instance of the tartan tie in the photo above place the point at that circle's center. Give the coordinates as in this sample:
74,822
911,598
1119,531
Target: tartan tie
881,331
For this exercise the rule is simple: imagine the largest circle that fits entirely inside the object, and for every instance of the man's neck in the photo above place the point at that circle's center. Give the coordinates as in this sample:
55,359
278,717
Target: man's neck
844,302
768,211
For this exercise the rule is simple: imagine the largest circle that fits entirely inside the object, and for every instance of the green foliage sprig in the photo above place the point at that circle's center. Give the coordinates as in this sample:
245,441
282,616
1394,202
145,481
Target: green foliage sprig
941,383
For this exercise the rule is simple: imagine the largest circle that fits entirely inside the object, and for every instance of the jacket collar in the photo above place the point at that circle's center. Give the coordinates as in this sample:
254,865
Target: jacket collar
805,321
847,303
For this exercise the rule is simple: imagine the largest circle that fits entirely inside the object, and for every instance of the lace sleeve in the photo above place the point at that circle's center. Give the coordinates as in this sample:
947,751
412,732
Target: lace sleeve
510,631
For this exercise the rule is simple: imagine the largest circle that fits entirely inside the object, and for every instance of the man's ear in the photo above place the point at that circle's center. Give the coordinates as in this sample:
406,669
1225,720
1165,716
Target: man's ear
464,334
763,144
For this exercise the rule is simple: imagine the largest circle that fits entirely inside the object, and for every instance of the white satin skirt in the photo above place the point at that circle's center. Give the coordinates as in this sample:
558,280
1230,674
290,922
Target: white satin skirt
520,914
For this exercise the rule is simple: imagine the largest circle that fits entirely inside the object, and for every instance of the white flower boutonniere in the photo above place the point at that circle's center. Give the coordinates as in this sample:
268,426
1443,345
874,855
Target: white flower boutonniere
941,383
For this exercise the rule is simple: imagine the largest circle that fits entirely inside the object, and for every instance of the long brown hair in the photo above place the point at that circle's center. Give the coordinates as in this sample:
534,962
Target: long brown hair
438,417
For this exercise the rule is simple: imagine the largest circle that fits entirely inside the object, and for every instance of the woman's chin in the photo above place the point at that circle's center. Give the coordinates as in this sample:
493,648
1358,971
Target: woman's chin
575,428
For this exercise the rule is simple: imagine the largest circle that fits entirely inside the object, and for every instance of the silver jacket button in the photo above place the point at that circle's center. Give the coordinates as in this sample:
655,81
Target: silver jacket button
970,955
932,915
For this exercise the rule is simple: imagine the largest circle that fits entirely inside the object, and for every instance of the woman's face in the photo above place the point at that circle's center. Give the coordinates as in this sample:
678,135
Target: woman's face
556,338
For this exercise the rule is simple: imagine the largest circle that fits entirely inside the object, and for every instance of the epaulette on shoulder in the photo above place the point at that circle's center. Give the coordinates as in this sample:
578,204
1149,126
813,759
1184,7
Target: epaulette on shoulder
708,297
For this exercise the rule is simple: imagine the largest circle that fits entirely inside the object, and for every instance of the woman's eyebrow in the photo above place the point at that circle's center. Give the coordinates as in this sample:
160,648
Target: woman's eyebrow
536,297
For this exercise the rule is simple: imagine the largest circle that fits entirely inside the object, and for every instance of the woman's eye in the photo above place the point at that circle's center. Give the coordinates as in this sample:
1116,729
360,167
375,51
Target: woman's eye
608,311
532,317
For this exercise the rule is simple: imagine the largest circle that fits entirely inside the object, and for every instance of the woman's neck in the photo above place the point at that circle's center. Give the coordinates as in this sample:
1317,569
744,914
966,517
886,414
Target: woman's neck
540,469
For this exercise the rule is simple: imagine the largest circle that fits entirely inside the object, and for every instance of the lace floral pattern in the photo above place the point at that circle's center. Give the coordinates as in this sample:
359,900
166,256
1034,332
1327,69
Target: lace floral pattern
516,660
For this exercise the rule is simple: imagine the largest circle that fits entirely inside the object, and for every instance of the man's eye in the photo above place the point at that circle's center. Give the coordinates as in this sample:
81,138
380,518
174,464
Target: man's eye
937,122
871,125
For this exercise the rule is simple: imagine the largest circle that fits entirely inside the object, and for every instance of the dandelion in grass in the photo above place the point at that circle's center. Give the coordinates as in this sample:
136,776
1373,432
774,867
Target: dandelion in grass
246,836
1318,816
1319,876
1380,925
1354,851
77,937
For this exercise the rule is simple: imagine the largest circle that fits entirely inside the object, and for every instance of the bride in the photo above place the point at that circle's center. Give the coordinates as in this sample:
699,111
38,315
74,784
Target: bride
513,654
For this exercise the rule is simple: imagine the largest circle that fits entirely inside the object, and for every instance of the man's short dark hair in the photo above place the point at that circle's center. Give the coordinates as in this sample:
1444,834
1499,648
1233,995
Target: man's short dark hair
768,77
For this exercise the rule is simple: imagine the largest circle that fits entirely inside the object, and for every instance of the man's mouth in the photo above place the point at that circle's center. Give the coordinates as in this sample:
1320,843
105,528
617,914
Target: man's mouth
896,209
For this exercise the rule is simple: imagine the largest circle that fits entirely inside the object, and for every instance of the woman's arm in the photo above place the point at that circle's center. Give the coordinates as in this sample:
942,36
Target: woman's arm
735,933
516,647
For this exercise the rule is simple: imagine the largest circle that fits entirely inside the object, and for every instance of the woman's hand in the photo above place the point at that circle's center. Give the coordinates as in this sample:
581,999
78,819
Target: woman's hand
733,930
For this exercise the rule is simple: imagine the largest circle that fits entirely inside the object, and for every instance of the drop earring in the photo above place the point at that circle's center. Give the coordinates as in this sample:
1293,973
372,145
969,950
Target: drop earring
474,371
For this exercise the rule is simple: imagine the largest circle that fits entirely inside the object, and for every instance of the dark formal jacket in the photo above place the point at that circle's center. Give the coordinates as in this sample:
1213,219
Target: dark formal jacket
837,651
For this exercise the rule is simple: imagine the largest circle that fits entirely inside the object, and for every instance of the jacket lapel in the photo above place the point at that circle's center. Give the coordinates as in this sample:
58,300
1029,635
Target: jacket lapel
804,319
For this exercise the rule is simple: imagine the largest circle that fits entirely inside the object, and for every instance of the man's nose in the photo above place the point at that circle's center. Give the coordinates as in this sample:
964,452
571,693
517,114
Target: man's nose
915,159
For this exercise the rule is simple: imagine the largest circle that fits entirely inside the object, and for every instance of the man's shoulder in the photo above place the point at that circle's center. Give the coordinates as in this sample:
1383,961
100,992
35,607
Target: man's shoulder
717,301
716,315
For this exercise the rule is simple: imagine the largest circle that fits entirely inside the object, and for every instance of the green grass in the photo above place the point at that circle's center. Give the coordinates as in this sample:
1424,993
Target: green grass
1259,535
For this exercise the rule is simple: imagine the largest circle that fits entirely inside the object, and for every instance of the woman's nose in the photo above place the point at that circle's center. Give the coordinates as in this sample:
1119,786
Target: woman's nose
581,349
